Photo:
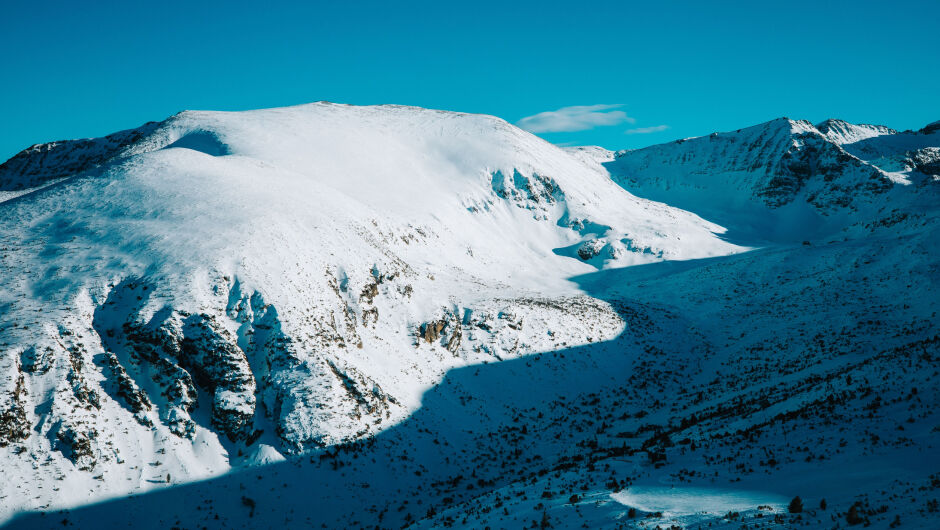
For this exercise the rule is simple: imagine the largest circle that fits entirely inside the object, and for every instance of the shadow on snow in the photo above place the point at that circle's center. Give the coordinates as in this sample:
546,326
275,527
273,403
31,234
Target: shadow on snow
489,424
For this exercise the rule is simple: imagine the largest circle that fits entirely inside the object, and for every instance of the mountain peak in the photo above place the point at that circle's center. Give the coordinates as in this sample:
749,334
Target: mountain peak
779,162
842,132
930,128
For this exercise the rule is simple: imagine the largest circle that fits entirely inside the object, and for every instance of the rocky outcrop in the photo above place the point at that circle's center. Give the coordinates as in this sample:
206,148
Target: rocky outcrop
36,359
591,248
154,352
454,341
533,192
14,423
813,159
209,353
926,160
369,397
86,396
41,163
78,445
446,331
129,392
431,331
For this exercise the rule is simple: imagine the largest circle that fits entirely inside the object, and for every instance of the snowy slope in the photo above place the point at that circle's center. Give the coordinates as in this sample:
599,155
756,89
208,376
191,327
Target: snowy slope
737,384
222,289
905,153
785,180
397,317
775,162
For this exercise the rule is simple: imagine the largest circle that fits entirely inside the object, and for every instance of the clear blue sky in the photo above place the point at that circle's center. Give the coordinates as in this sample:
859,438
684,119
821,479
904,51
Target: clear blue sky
79,69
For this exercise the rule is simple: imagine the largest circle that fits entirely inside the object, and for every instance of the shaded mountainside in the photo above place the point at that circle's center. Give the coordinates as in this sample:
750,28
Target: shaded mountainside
398,317
774,163
788,180
820,383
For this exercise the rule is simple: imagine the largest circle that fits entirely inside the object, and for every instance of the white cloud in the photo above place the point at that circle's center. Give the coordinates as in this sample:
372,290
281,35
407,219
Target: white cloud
647,130
576,118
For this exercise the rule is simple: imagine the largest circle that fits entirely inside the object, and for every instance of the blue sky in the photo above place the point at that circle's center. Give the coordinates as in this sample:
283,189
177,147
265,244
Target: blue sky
637,73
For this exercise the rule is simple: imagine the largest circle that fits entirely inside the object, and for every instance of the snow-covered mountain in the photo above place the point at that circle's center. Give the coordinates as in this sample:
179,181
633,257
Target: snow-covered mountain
786,180
437,319
842,132
289,279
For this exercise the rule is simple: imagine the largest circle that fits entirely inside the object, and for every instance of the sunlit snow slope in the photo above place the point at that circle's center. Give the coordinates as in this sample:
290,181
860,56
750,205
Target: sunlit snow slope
392,317
224,289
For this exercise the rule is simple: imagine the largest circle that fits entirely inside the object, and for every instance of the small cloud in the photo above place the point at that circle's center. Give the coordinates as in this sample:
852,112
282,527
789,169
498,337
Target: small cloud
576,118
647,130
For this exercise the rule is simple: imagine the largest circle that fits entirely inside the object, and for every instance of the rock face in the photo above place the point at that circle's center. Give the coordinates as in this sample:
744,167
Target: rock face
926,160
222,369
534,192
431,331
590,249
14,424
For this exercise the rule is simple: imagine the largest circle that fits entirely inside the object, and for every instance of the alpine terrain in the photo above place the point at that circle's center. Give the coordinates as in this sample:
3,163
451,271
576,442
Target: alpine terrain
342,317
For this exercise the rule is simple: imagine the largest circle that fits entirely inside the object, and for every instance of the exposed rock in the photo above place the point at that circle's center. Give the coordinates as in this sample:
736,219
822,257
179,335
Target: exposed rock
43,162
369,292
86,396
431,331
591,248
159,349
370,316
217,364
926,160
77,445
36,359
14,423
366,393
453,343
133,396
533,192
